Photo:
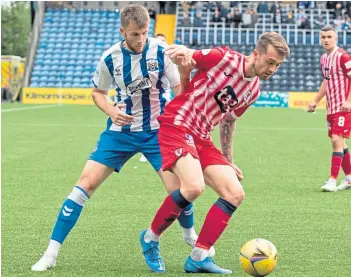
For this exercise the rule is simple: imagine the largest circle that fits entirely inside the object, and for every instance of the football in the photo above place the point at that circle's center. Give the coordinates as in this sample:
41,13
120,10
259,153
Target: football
258,257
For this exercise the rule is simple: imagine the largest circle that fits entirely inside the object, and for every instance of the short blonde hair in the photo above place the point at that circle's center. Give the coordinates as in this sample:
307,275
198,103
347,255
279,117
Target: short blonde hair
136,13
274,39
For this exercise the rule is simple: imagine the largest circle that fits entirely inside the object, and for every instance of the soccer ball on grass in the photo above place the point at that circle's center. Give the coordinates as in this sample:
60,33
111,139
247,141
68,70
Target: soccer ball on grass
258,257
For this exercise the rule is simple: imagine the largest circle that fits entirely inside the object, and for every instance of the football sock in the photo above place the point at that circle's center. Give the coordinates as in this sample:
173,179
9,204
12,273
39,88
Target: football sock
186,221
336,164
168,212
215,223
346,163
67,217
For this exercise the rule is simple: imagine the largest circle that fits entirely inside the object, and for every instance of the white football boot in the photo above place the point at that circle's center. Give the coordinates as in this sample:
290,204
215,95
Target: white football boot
192,241
344,185
46,262
330,186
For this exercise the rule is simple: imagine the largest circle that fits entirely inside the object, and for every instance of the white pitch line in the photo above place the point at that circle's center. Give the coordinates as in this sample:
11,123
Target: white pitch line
29,108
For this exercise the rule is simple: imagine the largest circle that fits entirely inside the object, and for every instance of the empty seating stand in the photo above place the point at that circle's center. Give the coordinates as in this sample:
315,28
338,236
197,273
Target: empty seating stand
70,45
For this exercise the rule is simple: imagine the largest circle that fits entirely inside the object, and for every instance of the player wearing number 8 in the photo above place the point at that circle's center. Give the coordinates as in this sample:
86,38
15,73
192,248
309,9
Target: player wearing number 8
225,85
336,87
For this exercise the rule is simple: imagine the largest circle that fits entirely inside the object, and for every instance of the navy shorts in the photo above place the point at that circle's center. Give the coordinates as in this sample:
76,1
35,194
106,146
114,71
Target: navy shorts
115,148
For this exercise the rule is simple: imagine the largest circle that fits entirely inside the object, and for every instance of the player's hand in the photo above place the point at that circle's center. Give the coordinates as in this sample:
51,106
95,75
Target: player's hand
238,172
186,65
312,107
120,118
176,52
346,107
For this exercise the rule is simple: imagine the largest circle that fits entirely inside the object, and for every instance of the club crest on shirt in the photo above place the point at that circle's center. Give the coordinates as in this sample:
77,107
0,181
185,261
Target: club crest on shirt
138,85
189,139
152,65
247,96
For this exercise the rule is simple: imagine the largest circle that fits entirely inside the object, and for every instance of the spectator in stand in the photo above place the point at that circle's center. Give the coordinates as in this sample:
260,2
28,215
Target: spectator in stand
303,4
198,21
198,8
305,23
217,16
348,8
247,20
347,24
162,6
152,12
338,23
298,17
186,6
186,22
237,18
276,11
338,9
254,18
229,19
319,23
290,18
262,7
330,5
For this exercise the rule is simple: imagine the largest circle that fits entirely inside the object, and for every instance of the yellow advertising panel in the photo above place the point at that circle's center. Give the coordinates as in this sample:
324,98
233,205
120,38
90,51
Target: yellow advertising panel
80,96
300,100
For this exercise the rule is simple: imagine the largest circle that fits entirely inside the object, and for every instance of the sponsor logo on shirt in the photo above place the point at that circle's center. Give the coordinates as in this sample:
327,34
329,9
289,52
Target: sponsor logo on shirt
118,71
138,85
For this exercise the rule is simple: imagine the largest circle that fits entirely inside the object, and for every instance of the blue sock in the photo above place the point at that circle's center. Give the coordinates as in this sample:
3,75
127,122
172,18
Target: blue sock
186,218
69,214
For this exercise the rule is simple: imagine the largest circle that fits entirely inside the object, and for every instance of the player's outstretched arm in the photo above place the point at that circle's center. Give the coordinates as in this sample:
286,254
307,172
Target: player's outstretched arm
227,129
322,91
114,112
177,52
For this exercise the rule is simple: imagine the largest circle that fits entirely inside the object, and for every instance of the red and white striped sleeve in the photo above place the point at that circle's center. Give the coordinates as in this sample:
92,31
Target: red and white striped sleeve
345,63
207,58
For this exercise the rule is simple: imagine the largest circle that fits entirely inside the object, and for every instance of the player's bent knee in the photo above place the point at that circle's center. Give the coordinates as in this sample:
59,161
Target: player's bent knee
193,191
234,196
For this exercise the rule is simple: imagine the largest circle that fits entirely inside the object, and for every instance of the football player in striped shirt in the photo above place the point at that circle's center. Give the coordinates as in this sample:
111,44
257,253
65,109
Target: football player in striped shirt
224,86
336,87
141,73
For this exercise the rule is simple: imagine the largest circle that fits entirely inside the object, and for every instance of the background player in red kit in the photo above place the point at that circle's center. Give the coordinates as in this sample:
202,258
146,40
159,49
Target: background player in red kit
336,86
225,85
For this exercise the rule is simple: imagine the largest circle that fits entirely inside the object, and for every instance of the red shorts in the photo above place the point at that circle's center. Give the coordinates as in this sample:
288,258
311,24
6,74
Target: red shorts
177,141
339,124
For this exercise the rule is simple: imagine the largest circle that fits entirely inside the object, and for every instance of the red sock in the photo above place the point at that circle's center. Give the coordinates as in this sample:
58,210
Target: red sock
346,162
168,212
215,223
336,164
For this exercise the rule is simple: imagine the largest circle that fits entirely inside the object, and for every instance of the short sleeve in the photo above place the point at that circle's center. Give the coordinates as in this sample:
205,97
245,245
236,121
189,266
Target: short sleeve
207,58
171,72
102,77
346,64
239,112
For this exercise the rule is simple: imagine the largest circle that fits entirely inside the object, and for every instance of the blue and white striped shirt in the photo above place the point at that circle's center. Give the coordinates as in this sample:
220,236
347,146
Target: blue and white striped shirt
142,81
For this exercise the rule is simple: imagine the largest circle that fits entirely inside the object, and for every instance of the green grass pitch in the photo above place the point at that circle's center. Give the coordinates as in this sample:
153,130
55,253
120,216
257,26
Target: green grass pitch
283,153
